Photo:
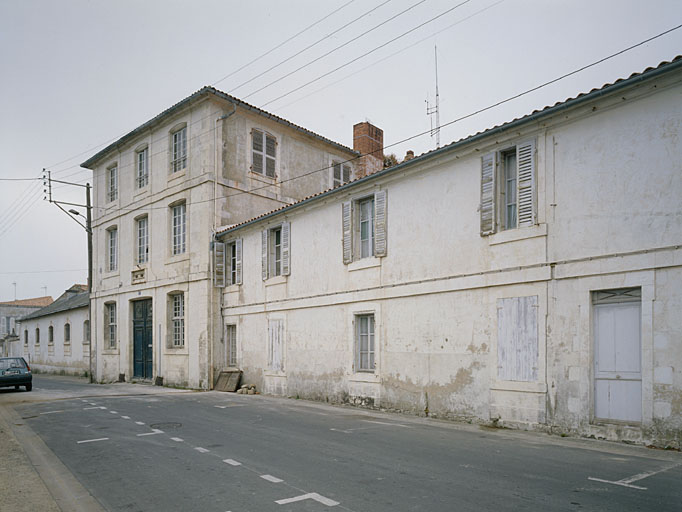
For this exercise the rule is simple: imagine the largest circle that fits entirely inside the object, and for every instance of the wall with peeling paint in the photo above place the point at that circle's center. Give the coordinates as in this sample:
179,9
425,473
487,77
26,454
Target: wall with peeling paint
609,183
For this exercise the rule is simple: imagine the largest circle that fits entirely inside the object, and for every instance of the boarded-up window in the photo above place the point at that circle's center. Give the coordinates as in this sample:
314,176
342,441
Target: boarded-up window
517,339
276,345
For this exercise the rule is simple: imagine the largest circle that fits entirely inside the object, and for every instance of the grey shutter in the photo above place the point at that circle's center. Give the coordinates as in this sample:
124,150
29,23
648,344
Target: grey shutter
286,230
257,151
264,254
347,226
219,264
346,173
517,339
488,169
238,262
270,155
380,223
525,158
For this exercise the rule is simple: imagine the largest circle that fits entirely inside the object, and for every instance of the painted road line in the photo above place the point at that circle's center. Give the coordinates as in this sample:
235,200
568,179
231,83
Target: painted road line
627,482
125,417
201,450
92,440
232,462
50,412
95,407
386,423
309,496
155,431
113,412
272,479
176,439
221,406
139,422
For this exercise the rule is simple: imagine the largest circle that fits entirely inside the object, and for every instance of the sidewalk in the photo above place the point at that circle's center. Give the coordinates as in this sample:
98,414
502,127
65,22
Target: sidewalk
31,476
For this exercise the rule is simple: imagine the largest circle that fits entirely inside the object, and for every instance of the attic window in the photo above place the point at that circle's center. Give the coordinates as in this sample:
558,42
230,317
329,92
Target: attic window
263,153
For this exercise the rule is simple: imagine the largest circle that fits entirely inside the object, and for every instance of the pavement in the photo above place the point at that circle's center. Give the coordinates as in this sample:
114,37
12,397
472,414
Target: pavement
31,476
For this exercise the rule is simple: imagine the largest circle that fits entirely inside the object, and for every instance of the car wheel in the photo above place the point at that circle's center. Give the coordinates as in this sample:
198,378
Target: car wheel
16,387
29,387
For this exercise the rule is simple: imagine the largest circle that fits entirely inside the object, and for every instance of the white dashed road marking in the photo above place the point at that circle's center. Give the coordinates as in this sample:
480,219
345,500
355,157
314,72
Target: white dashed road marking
272,479
139,422
113,412
125,417
201,450
50,412
92,440
155,431
232,462
96,407
627,482
385,423
176,439
309,496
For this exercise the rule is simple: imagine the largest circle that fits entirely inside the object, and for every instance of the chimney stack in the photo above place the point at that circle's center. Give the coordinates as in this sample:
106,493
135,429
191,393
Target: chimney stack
368,140
409,155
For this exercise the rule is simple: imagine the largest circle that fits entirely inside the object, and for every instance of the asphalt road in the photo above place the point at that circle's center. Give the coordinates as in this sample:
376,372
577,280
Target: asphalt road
226,452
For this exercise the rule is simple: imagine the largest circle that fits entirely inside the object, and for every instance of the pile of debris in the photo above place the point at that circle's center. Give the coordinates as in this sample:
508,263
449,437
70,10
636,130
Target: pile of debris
248,389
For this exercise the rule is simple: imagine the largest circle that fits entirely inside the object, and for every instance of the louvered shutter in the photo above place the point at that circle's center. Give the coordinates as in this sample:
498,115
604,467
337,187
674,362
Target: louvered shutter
380,223
257,151
264,254
238,262
286,230
346,173
347,227
270,155
488,169
517,339
525,158
219,264
336,181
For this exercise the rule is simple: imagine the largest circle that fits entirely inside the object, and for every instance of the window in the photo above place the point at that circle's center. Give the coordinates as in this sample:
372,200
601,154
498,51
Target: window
264,153
37,335
234,253
26,337
276,345
179,149
364,343
179,229
142,158
112,248
275,251
142,240
86,331
50,335
112,183
227,263
110,324
231,337
517,339
341,173
364,227
67,333
508,188
177,304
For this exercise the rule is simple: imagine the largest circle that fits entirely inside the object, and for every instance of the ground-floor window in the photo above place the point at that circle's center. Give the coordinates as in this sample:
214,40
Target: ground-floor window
110,324
178,319
364,343
231,336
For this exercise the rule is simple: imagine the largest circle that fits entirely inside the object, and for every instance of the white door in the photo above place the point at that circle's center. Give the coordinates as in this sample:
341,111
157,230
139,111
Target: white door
618,368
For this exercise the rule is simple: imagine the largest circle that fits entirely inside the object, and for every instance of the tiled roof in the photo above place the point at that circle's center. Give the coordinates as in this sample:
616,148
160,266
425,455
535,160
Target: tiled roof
38,302
664,66
204,91
66,302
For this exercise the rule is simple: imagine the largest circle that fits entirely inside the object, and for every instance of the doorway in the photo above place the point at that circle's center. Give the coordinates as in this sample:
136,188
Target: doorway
618,355
142,339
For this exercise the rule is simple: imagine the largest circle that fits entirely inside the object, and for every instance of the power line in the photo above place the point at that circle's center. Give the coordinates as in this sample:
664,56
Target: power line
311,45
19,179
337,48
45,271
283,43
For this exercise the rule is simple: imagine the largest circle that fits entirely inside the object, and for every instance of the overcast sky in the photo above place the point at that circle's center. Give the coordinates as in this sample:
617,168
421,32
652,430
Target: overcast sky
78,74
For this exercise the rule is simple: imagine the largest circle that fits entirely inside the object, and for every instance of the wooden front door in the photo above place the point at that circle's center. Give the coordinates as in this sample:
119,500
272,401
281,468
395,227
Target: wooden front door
142,339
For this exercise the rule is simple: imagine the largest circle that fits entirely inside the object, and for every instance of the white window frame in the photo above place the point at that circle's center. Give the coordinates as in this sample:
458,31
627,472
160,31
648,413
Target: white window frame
275,252
231,345
178,229
177,320
276,258
112,249
178,143
142,165
67,333
373,242
263,153
112,183
110,324
50,335
340,173
142,231
365,328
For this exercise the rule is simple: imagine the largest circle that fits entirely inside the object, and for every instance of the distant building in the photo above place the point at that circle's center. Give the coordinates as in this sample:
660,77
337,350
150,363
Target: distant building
10,313
55,338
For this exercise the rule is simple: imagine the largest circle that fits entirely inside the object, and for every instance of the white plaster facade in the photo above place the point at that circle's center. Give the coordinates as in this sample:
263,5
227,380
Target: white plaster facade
201,174
605,192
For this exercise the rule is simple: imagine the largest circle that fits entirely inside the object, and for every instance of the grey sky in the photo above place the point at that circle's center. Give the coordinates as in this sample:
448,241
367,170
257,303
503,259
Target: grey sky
77,74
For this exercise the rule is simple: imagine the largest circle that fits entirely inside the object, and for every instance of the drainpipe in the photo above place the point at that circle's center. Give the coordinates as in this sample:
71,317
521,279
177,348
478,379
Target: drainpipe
213,237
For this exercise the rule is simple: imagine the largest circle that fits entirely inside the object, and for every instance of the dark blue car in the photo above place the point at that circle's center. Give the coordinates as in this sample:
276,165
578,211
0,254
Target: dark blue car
15,371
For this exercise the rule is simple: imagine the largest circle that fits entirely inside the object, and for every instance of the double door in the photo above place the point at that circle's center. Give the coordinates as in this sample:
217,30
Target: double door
143,345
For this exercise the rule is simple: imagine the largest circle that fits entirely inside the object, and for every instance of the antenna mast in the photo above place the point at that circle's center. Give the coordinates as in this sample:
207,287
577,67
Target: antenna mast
435,110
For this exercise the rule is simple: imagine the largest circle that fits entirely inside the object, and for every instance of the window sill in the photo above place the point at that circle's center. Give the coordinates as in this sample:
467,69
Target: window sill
368,377
262,177
274,373
272,281
141,192
110,352
177,175
364,263
110,273
521,387
176,351
513,235
177,258
232,288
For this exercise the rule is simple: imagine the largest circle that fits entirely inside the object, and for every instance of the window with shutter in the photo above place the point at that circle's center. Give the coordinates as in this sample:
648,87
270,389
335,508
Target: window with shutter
257,151
263,153
219,265
364,227
270,155
488,194
517,339
276,251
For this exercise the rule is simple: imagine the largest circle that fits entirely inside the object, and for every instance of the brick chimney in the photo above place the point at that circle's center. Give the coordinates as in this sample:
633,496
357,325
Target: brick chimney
409,155
369,141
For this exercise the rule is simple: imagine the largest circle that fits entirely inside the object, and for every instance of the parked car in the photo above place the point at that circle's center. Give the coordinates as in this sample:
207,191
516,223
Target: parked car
15,371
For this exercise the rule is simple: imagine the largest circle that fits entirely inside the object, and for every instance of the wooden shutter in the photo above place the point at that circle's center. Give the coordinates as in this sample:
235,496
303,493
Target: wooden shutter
238,262
219,264
517,339
525,158
257,151
488,170
270,155
347,227
380,223
346,173
337,175
264,254
286,230
275,345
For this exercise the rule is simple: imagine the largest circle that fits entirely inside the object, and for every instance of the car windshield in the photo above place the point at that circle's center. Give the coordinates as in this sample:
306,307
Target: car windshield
12,362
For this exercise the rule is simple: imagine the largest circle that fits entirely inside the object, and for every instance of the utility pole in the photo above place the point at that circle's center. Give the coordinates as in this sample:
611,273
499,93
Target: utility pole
15,290
73,213
435,110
